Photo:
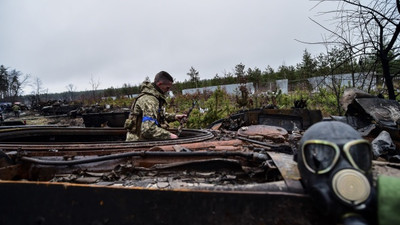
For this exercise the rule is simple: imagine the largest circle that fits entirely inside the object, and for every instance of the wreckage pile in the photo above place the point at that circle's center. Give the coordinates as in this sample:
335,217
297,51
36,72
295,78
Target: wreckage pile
249,153
256,131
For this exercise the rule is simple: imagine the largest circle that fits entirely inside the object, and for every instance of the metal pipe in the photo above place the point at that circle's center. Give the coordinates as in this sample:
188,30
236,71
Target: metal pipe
145,154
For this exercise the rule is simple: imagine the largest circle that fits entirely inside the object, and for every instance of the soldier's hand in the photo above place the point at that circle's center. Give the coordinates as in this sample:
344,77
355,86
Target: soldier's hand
173,136
180,117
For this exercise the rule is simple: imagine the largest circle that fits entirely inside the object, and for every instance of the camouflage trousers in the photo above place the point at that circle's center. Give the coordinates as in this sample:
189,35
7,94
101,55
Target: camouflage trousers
131,137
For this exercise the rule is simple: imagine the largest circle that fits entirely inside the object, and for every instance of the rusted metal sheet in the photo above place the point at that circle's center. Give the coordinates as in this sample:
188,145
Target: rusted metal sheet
288,169
277,134
67,204
228,145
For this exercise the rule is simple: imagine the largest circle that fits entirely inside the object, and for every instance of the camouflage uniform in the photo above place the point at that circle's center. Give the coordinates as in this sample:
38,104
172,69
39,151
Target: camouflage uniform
148,117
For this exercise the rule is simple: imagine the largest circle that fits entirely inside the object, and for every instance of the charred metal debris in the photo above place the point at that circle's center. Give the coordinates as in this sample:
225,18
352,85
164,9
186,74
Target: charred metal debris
251,149
240,170
200,159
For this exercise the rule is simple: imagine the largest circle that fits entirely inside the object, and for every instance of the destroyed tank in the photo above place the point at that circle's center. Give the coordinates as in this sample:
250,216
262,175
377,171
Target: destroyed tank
90,175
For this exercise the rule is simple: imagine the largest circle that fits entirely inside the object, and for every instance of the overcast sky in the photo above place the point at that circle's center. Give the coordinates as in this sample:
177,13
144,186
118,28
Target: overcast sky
113,42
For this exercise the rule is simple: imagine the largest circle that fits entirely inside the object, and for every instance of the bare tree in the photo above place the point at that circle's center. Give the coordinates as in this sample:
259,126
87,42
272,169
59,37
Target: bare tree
70,89
95,85
367,29
36,92
37,86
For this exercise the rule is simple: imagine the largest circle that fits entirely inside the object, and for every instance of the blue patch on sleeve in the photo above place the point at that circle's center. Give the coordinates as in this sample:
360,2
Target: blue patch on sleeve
147,118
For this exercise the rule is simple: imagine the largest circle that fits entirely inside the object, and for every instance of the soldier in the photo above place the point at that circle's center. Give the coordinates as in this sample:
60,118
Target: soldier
16,109
148,119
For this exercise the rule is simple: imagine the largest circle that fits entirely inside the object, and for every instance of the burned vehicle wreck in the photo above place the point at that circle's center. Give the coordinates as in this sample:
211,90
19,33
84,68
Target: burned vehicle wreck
75,175
377,119
199,178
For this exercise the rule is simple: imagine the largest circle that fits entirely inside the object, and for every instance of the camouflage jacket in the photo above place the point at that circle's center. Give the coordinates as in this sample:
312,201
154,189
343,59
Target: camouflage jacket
148,117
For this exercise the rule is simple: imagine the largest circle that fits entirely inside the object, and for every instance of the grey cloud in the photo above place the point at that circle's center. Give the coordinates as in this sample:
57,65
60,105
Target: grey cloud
119,41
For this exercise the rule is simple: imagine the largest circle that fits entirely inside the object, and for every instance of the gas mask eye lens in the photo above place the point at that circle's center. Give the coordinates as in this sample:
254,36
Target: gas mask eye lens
359,154
320,156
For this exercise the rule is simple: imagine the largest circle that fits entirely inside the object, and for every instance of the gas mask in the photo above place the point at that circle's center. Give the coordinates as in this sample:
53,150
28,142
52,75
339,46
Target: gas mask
335,167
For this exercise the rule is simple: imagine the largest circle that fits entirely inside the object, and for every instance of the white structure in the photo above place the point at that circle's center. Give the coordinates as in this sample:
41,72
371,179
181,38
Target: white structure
362,81
282,85
229,88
